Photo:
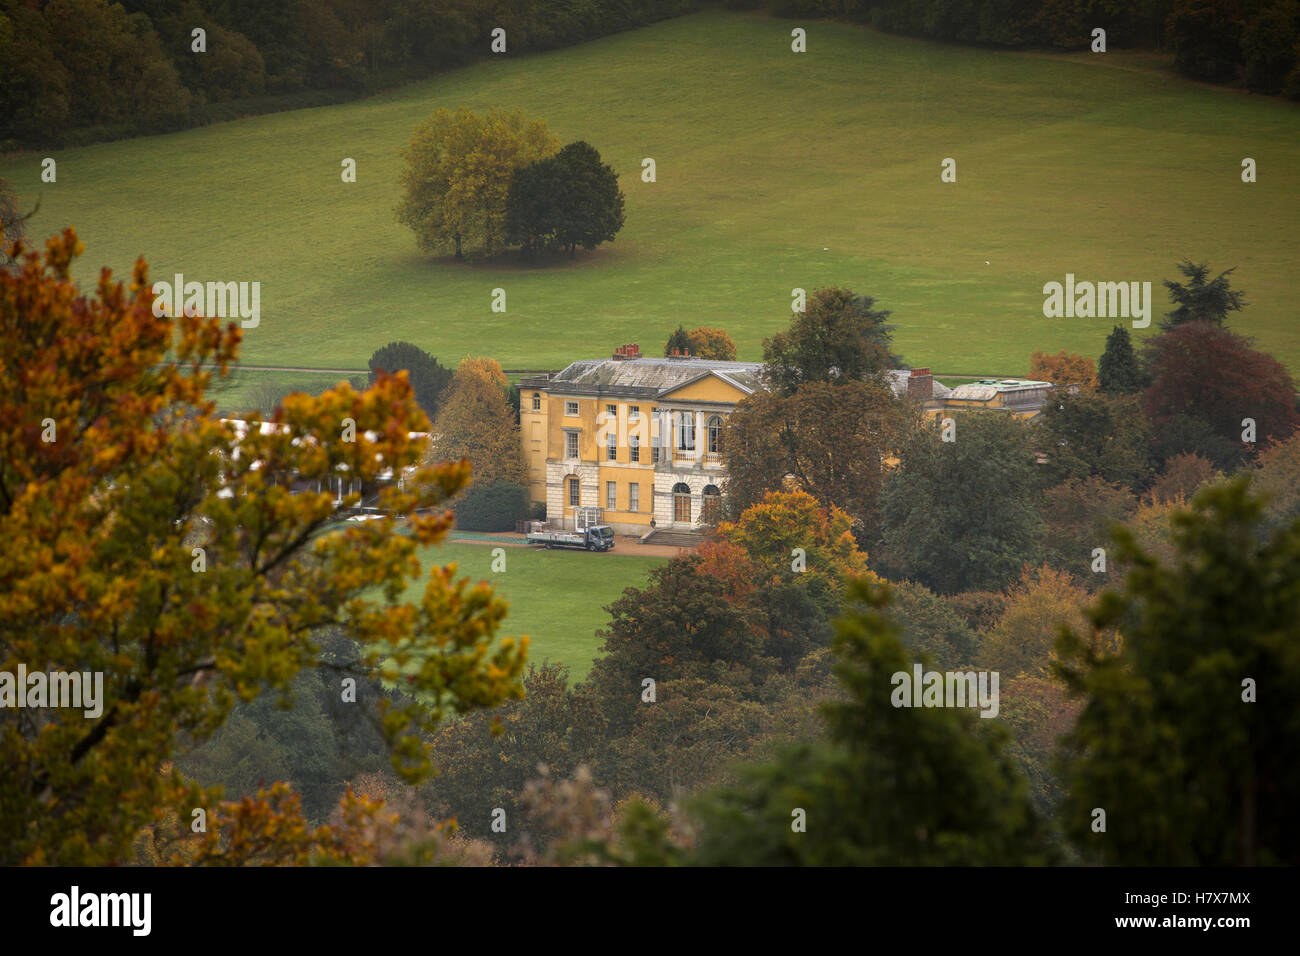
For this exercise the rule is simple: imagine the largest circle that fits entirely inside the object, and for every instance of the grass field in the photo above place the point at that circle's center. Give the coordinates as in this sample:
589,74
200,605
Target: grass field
557,597
775,170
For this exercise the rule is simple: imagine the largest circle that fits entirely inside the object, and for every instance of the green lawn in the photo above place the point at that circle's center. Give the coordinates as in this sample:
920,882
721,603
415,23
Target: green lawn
775,170
557,597
245,389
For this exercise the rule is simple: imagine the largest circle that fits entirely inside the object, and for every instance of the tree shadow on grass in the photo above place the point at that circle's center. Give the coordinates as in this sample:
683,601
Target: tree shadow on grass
512,260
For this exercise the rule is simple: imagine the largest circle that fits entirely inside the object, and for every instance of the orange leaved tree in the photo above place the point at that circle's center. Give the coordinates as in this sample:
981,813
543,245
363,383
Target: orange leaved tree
148,547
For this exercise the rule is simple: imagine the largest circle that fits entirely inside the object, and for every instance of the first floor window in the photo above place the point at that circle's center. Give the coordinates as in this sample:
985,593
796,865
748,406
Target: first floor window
633,497
611,447
571,409
633,412
715,435
574,498
570,444
685,431
634,448
611,495
537,401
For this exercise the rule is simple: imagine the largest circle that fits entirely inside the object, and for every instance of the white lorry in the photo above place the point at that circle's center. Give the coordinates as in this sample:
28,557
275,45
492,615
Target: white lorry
593,537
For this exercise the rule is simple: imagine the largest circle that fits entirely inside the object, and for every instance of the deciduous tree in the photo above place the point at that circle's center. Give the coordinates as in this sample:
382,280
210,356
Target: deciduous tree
137,545
869,790
1097,435
477,423
791,533
710,343
458,171
1210,374
831,441
1063,369
839,338
1190,733
963,514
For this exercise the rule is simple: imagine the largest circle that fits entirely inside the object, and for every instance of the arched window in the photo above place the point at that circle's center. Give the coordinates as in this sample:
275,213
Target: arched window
713,428
682,503
711,511
537,401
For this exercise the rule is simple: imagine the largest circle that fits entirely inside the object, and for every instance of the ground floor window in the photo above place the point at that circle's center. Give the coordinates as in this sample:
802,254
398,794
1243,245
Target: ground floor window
574,495
634,497
611,495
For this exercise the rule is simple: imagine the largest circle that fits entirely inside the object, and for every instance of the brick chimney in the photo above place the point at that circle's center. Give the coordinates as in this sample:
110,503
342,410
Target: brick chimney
920,384
624,352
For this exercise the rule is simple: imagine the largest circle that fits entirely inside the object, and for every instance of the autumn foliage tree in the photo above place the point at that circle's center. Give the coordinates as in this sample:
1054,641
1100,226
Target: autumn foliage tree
710,343
459,166
1063,369
886,785
791,532
1208,374
477,423
832,441
142,539
1277,475
1190,731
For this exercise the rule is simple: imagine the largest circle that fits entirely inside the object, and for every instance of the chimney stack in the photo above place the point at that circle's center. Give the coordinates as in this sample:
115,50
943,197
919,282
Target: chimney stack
920,384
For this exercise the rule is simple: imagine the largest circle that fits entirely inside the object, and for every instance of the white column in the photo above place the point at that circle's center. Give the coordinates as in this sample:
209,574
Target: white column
699,438
665,433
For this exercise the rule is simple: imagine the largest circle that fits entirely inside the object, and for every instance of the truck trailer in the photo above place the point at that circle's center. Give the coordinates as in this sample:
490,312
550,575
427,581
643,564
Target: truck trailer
593,538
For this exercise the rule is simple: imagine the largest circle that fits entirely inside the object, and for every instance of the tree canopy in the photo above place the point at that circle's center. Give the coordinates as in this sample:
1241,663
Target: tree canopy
1190,734
428,379
1202,299
1118,370
564,201
477,423
869,791
188,579
1063,369
832,441
459,166
838,338
963,514
1209,374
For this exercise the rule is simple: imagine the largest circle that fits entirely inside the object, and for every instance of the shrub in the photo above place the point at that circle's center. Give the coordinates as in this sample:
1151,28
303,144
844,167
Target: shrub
494,506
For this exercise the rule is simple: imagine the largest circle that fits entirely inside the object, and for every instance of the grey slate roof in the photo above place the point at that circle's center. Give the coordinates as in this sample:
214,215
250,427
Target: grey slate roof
649,377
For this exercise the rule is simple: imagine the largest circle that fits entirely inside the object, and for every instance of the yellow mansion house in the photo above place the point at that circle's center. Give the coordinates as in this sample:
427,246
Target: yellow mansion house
636,437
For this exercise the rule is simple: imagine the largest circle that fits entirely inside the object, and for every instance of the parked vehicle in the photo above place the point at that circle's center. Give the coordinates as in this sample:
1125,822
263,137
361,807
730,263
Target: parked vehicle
593,537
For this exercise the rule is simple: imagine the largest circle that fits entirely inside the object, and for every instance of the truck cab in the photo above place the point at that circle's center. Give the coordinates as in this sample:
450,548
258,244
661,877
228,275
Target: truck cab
600,538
